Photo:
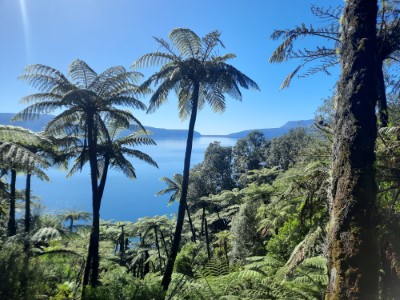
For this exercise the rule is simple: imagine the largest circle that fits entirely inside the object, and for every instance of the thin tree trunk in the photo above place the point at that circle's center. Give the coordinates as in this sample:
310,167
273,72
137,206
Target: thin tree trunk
88,263
226,251
353,251
158,249
203,217
382,101
207,239
191,223
185,183
71,224
95,250
92,263
27,221
164,243
12,228
122,243
146,269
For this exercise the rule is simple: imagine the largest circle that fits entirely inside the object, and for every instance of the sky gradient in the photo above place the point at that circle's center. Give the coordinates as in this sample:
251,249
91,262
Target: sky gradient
106,33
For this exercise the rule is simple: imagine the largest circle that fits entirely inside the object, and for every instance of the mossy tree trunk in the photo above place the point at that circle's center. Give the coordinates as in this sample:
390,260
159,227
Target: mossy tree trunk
353,251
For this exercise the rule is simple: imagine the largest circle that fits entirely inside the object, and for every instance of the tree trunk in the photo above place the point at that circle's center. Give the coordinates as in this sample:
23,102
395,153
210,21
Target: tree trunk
158,248
191,224
185,183
146,269
122,245
203,217
92,263
71,224
353,252
226,251
164,243
27,225
12,228
382,101
207,239
28,203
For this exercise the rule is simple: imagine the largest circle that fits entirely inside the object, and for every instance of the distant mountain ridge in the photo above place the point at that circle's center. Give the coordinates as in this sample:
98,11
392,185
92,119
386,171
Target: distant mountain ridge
34,125
271,133
162,133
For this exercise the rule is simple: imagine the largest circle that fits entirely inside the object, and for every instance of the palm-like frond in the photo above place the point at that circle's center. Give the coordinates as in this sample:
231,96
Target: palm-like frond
140,155
196,62
174,186
46,79
15,149
319,58
186,41
81,73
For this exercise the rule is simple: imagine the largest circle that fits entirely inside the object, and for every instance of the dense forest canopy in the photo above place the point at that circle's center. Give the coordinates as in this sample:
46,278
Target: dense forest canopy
311,214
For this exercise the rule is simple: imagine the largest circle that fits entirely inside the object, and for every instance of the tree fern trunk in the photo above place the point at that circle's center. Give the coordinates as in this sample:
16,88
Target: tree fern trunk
92,263
207,239
353,252
164,243
203,217
71,224
191,223
12,228
185,183
158,248
27,221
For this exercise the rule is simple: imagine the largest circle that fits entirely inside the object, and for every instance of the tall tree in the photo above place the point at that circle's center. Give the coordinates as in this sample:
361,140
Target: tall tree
87,100
198,75
353,251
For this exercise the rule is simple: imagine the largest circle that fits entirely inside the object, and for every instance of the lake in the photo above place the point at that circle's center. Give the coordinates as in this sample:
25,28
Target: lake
124,199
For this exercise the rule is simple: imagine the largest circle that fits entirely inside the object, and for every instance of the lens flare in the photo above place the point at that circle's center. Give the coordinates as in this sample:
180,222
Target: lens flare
25,24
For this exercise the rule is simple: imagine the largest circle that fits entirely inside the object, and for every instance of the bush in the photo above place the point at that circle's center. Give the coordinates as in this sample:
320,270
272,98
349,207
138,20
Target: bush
190,255
20,277
119,285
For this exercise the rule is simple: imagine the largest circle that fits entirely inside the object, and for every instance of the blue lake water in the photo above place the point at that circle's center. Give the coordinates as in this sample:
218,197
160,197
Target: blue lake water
124,199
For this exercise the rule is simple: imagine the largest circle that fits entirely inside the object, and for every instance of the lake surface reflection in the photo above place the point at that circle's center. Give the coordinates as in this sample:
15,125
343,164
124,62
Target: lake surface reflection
124,199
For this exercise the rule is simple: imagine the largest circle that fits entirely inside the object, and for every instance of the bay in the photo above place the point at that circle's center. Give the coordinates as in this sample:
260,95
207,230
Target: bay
124,199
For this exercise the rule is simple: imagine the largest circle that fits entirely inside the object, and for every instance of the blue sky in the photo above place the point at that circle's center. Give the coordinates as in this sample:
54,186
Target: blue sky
105,33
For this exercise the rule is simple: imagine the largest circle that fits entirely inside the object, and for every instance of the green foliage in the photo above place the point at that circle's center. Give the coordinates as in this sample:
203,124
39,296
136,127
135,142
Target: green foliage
290,235
190,256
284,151
117,284
249,153
19,275
216,170
246,240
